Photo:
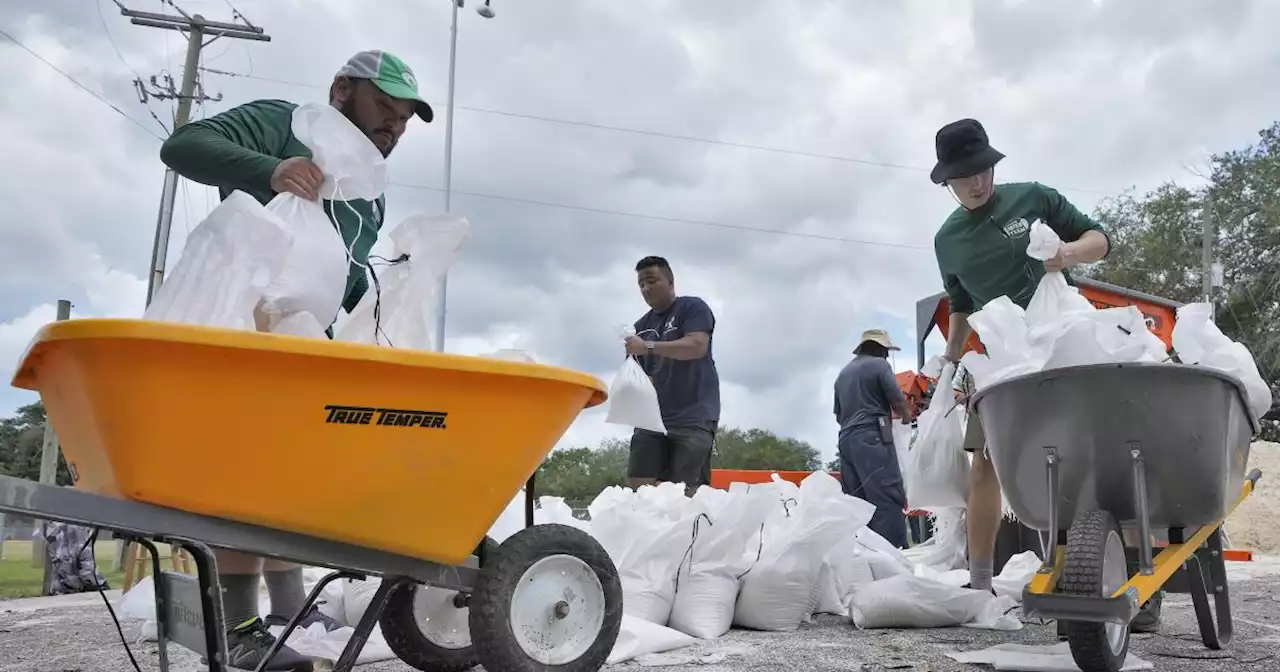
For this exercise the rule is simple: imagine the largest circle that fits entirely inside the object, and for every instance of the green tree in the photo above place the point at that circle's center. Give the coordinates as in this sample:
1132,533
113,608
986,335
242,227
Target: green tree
762,449
21,442
1157,247
579,474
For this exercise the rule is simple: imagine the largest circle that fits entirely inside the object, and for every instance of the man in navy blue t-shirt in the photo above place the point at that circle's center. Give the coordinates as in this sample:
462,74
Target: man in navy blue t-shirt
673,344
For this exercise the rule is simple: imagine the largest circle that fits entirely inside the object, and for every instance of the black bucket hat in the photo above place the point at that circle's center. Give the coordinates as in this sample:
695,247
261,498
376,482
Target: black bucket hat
963,150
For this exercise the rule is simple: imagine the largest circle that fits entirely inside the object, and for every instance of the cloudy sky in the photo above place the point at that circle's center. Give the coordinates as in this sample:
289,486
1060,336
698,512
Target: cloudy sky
776,152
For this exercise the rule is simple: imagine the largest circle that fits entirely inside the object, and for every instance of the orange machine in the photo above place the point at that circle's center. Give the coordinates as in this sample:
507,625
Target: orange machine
935,311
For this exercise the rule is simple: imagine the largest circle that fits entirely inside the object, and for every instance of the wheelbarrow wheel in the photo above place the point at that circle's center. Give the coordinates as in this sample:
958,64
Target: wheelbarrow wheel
428,628
1095,566
549,599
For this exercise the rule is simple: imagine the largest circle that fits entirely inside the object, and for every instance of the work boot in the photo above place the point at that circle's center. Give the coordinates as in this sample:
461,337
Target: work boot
1148,618
313,615
249,642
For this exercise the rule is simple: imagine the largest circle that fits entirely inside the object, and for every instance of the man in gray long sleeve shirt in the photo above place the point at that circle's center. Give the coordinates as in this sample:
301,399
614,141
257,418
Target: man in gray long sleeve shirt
865,392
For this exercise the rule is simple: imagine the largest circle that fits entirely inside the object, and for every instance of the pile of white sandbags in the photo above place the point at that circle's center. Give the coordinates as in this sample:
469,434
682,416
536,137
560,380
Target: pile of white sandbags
769,557
1061,328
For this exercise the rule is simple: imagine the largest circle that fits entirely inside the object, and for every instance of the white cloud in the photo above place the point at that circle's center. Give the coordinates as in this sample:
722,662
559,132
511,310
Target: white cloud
1090,97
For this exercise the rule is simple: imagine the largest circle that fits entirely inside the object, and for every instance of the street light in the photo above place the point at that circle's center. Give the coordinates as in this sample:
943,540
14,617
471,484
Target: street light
487,12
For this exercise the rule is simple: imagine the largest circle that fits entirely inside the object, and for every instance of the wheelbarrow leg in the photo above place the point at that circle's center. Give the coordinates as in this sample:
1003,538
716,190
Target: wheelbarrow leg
529,499
372,613
215,632
1206,573
306,607
1146,565
162,626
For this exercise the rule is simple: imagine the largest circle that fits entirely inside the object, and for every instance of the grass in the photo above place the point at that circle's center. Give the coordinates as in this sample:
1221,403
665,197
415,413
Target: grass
19,579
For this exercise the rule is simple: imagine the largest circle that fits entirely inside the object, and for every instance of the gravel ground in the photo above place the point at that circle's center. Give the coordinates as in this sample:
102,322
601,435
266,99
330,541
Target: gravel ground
78,636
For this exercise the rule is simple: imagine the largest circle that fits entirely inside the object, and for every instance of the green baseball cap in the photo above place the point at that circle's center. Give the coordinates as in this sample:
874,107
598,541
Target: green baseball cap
388,73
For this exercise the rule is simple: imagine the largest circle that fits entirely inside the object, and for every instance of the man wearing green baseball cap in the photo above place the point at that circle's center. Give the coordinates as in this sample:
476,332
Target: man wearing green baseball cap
252,148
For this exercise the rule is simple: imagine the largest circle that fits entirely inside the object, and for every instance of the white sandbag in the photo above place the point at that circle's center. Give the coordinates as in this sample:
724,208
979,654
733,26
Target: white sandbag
782,590
915,602
314,276
844,570
903,435
633,401
1197,340
1016,574
315,273
299,324
356,596
1034,658
937,473
353,167
646,533
708,579
403,313
946,549
554,510
510,521
639,637
228,261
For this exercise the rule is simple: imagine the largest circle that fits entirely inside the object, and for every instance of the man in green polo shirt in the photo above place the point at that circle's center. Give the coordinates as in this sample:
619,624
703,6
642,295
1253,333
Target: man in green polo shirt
982,255
252,148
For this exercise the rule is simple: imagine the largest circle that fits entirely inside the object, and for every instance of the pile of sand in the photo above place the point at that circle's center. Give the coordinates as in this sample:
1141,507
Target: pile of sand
1255,526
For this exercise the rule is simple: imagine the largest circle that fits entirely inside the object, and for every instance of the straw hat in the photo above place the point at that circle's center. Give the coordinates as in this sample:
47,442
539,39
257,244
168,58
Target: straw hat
876,336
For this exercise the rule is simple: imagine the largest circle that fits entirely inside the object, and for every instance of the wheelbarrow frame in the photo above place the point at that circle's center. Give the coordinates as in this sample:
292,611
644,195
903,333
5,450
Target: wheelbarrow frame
146,524
1076,583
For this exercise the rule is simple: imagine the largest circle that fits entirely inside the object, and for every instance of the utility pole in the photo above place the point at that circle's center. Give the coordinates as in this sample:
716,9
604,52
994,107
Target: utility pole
196,28
48,467
1208,269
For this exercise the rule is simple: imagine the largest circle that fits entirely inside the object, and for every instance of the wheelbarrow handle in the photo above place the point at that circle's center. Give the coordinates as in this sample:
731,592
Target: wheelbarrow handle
1253,477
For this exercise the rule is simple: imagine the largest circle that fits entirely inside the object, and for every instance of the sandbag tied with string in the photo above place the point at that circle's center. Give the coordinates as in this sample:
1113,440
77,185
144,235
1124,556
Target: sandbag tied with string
401,310
304,299
710,575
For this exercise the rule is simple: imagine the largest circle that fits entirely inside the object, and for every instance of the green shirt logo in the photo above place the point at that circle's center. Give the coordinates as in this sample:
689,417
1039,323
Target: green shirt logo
1017,228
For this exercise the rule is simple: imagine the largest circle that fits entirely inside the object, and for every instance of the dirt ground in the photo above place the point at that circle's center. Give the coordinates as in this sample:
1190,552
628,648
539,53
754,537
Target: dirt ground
80,637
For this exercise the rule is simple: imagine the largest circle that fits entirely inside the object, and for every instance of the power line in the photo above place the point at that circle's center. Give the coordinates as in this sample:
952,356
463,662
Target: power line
654,134
664,218
75,81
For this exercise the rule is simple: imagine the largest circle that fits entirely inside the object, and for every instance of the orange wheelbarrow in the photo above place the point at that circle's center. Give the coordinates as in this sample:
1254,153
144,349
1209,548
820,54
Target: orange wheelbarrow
382,462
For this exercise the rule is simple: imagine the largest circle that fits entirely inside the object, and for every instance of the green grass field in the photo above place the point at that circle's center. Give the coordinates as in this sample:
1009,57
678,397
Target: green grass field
19,579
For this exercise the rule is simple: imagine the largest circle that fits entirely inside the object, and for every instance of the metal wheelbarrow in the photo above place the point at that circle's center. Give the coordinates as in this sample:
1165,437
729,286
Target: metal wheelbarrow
1081,451
383,462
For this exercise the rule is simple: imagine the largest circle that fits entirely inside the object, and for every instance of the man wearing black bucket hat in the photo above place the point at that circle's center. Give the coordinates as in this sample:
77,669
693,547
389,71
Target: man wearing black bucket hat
982,254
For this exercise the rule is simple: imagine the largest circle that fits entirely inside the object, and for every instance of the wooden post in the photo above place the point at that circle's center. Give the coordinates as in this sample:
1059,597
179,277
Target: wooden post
48,468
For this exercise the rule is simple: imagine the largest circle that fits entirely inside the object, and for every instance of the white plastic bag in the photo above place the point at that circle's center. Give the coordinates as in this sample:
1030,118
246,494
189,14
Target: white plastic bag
353,167
781,590
400,310
1197,340
937,473
315,273
646,533
299,324
709,576
315,269
633,401
946,549
638,637
915,602
229,260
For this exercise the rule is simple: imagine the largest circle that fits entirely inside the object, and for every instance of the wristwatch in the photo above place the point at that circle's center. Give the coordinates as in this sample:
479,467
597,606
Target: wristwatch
648,345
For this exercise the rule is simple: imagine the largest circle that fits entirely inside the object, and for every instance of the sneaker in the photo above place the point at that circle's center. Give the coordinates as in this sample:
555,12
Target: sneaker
313,615
249,642
1148,618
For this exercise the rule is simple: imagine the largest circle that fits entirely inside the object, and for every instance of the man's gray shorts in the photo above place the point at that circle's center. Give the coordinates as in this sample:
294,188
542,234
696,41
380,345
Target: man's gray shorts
682,456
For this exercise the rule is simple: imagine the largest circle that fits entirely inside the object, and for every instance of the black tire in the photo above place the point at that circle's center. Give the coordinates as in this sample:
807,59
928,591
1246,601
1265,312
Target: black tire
553,547
1096,647
404,635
